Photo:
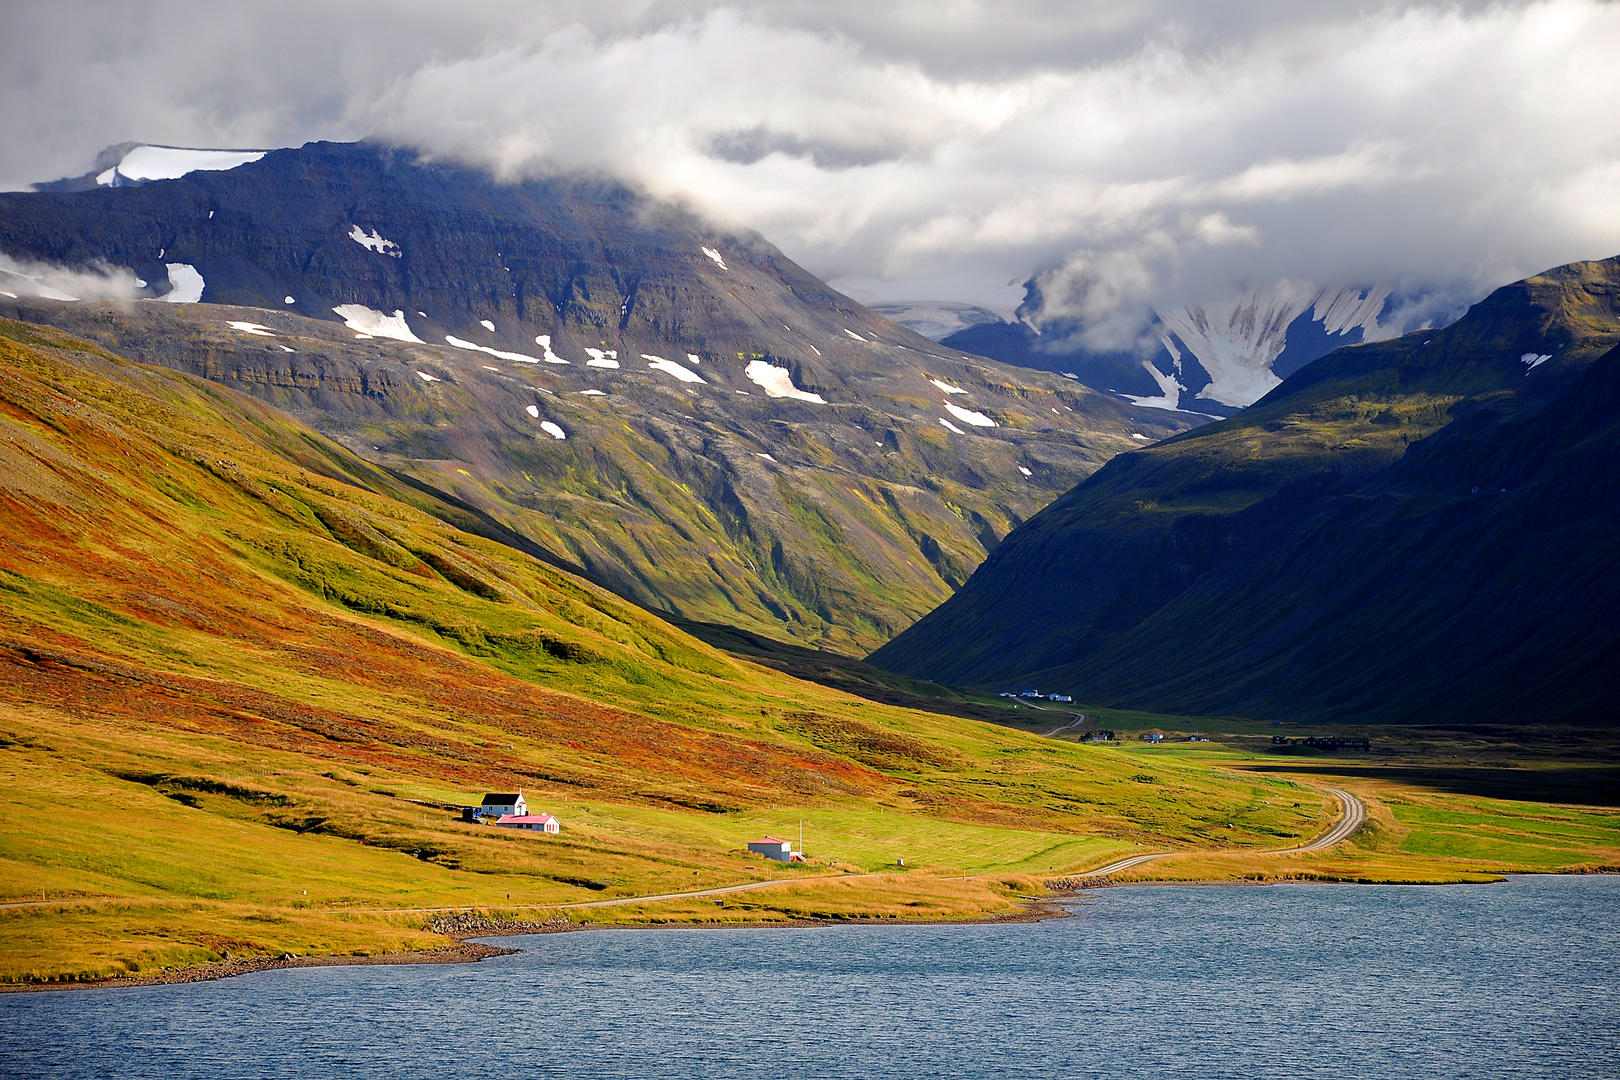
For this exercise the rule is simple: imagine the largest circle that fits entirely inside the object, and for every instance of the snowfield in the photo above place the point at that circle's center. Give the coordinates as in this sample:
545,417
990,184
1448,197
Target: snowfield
952,426
553,430
715,255
947,387
251,328
602,358
777,382
364,320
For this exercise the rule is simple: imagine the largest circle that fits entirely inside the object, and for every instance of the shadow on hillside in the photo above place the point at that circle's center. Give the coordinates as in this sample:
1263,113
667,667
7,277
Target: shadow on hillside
1577,785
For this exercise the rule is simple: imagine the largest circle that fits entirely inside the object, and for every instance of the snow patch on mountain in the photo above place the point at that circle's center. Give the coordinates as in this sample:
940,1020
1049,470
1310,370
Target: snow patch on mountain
602,358
777,382
251,328
374,241
1531,360
552,429
473,346
968,416
947,387
364,320
952,426
715,255
185,284
544,341
1169,390
658,363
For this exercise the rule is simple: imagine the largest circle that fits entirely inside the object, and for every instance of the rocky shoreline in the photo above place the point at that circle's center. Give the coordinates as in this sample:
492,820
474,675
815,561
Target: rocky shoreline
465,952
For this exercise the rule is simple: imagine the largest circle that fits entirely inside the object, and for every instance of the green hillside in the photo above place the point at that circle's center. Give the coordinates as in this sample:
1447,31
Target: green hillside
244,687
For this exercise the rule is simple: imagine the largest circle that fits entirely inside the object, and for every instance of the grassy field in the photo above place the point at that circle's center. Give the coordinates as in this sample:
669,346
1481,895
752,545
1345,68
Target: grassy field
245,686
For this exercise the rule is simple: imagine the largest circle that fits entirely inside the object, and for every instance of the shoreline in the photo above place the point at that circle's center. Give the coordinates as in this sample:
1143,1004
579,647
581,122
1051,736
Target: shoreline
463,952
468,951
464,928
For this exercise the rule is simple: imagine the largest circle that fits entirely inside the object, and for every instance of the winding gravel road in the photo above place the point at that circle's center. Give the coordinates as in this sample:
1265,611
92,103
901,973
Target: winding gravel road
1353,817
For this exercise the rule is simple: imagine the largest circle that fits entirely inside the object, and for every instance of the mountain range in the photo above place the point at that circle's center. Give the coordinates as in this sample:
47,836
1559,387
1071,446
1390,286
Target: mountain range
1425,529
1210,358
680,413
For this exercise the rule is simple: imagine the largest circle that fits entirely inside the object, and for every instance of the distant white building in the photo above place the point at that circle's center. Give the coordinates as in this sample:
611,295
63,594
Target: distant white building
501,805
532,822
772,848
1152,736
1059,697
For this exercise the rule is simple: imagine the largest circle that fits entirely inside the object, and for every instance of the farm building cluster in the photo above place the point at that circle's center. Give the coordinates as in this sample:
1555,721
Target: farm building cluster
1036,695
510,811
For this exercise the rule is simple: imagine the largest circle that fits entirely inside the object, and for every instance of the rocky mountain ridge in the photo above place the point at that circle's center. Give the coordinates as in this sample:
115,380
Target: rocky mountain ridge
684,415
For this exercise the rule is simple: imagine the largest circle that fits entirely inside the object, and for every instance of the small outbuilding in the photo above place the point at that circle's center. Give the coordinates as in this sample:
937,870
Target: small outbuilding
772,848
532,822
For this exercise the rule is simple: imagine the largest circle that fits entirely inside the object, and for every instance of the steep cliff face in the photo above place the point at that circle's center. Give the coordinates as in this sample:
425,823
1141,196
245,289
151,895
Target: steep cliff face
1418,529
687,416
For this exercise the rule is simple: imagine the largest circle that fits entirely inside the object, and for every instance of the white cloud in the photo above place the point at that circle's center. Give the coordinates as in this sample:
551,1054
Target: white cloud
1134,155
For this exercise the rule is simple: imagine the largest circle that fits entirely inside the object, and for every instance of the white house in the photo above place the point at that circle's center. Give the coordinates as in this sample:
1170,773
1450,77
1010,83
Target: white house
499,805
772,848
532,822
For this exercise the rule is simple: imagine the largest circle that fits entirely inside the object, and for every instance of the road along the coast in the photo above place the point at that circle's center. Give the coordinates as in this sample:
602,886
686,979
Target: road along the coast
1354,815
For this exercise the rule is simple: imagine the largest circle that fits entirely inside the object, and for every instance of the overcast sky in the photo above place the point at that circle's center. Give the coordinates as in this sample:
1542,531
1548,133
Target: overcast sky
1131,153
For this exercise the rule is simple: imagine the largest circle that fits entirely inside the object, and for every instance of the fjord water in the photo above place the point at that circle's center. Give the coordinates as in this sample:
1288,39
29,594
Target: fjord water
1514,979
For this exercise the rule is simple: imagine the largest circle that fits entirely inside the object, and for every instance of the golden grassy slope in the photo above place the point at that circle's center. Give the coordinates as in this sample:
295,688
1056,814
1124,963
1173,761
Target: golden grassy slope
230,674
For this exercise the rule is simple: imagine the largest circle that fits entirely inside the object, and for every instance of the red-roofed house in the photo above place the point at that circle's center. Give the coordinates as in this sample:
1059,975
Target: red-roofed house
532,822
772,848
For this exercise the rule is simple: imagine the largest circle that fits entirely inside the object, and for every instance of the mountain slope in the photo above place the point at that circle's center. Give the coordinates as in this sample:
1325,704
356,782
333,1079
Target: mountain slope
1343,549
243,690
729,441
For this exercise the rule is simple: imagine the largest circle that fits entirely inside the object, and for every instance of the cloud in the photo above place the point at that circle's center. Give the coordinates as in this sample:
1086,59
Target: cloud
96,282
1127,156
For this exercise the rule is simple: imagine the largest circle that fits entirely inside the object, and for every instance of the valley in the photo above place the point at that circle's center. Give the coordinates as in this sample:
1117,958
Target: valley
247,685
1416,531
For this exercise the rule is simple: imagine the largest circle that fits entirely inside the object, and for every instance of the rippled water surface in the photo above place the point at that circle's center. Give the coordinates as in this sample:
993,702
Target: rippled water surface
1518,979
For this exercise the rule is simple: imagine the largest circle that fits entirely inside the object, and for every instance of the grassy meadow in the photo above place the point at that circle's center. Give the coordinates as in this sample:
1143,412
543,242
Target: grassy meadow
245,685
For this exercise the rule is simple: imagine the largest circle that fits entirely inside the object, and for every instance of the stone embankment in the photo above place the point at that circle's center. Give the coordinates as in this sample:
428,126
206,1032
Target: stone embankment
1077,884
465,924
